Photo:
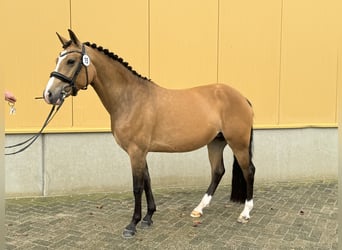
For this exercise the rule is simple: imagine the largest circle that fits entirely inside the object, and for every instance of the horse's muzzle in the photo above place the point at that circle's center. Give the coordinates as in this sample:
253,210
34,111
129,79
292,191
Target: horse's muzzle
54,99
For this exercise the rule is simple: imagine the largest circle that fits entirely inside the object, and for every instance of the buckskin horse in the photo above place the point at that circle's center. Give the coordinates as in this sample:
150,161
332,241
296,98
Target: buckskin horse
146,118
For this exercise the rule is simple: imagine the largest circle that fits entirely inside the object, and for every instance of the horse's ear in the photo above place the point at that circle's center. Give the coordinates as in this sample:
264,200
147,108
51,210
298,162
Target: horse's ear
73,37
63,40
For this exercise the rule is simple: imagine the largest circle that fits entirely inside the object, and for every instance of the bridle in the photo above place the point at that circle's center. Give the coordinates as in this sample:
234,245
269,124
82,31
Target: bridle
71,81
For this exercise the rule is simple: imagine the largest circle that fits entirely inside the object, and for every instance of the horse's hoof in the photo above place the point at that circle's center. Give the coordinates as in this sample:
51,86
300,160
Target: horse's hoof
146,224
127,233
195,214
243,219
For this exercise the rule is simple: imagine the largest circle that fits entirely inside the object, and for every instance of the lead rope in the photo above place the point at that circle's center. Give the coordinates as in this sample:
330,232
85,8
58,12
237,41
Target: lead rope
32,139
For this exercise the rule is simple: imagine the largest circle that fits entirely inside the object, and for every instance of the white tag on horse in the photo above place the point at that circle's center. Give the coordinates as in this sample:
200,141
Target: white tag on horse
86,60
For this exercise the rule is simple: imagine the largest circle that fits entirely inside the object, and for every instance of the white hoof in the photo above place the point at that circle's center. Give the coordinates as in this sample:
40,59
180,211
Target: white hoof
196,214
243,219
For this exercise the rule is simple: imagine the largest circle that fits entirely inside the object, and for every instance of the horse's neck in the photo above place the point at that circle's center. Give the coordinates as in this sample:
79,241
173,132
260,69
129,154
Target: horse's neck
116,85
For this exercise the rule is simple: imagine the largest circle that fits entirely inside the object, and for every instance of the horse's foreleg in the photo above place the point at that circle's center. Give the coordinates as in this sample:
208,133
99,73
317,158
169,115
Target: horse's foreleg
138,164
151,206
138,187
215,152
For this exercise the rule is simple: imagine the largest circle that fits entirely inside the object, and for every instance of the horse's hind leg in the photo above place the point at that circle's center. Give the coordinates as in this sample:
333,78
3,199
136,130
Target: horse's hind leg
243,182
215,151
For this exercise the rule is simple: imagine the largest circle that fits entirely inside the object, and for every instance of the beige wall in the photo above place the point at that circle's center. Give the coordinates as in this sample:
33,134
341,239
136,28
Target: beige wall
281,54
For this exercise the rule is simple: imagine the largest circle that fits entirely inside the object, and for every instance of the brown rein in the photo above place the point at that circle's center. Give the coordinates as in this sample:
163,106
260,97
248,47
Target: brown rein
27,143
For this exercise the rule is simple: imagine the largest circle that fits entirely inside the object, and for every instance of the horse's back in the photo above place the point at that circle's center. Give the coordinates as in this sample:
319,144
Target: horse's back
214,99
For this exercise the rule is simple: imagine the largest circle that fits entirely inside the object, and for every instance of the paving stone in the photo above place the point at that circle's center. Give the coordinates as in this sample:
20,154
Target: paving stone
286,215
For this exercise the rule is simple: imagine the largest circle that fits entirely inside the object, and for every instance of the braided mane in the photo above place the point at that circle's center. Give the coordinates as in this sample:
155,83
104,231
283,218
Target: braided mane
116,58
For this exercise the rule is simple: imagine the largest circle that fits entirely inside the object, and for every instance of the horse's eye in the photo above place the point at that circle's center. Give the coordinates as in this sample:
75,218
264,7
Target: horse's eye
71,62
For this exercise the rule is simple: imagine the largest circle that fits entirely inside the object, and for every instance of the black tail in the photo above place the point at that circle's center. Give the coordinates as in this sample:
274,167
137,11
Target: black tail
239,185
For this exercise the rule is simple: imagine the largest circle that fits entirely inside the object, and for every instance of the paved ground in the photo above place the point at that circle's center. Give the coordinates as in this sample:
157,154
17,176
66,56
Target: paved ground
297,215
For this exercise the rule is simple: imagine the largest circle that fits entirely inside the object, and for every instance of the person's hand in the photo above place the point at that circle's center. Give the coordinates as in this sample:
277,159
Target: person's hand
10,97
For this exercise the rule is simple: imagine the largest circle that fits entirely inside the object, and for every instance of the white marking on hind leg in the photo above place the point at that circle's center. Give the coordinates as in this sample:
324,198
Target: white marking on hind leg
244,216
198,211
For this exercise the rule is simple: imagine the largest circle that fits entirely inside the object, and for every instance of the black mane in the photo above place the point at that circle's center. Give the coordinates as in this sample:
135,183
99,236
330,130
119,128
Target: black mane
116,58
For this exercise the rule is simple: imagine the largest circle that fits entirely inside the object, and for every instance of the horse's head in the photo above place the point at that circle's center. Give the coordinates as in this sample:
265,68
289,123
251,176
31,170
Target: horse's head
74,71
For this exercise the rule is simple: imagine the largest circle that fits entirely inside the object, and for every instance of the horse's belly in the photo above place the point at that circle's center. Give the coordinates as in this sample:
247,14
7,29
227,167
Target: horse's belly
183,140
